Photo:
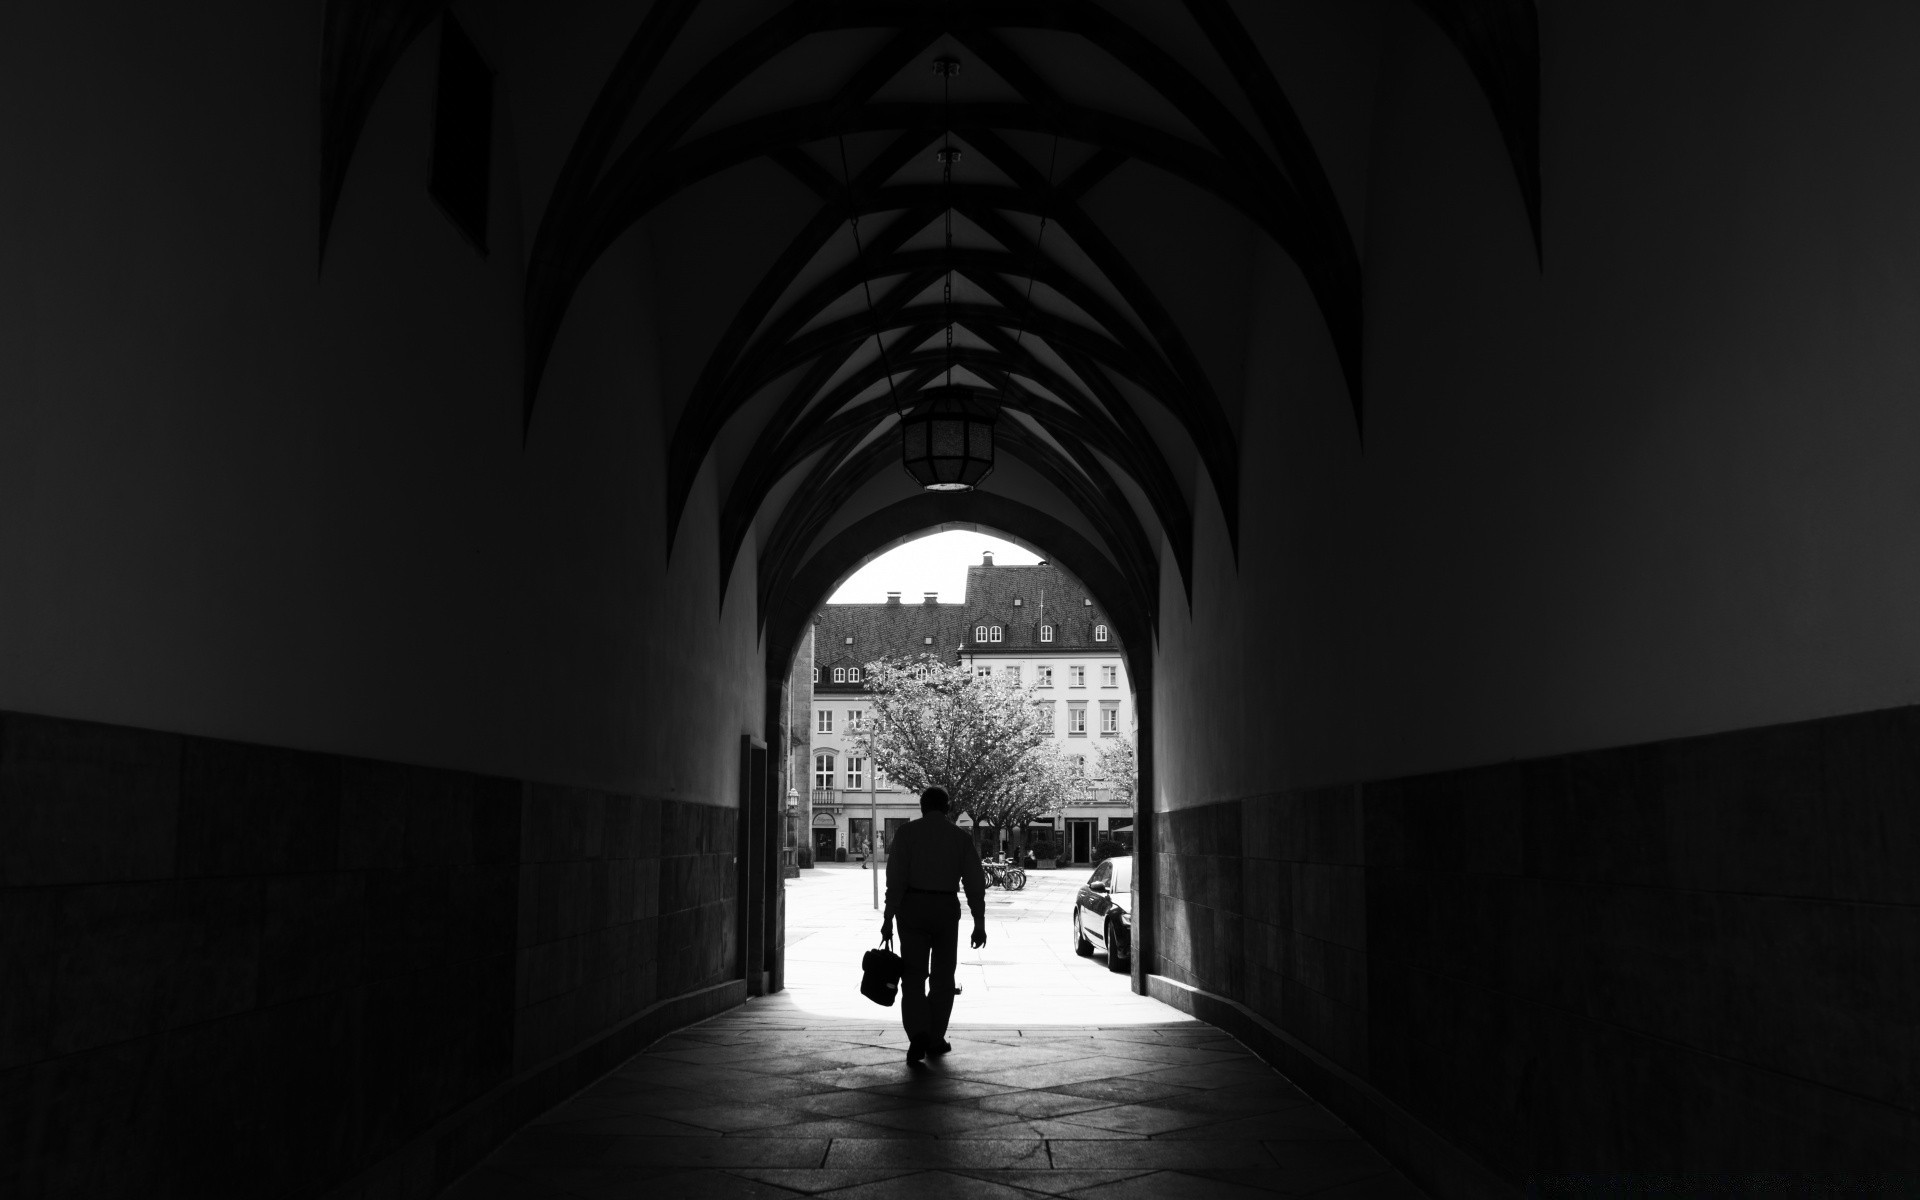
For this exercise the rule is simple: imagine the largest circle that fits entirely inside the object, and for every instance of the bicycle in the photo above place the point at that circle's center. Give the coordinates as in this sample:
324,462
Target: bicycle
1005,875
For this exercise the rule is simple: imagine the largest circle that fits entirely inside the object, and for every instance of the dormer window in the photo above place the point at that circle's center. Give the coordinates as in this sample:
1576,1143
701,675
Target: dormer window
853,674
816,674
1046,633
839,674
1099,633
993,635
979,633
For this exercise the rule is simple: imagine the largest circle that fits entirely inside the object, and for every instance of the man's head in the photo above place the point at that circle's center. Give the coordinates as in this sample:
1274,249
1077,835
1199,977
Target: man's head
934,800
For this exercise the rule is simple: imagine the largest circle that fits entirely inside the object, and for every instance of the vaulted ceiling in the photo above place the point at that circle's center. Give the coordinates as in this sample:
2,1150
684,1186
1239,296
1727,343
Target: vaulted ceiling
1042,228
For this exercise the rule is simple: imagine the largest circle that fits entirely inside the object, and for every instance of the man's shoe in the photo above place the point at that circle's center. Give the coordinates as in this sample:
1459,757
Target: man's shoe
916,1051
945,1047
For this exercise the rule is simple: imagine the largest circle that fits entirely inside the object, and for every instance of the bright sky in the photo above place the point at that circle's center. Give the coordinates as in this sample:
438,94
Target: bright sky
935,563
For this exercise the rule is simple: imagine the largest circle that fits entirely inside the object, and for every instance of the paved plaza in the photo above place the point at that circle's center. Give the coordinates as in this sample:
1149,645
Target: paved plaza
1062,1082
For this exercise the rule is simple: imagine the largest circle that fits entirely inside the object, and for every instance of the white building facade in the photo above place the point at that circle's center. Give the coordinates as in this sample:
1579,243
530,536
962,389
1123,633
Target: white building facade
1036,625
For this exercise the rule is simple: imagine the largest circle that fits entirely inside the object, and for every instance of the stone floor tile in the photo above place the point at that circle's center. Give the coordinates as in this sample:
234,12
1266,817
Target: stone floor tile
1046,1075
1211,1075
1032,1105
1144,1119
1164,1053
748,1053
1047,1128
933,1185
684,1185
1165,1185
629,1124
1157,1154
937,1153
730,1118
1242,1100
1048,1183
816,1180
715,1152
929,1086
842,1103
1124,1090
940,1119
836,1127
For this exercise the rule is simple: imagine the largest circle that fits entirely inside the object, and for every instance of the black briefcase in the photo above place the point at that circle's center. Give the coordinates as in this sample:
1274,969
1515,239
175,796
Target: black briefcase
880,975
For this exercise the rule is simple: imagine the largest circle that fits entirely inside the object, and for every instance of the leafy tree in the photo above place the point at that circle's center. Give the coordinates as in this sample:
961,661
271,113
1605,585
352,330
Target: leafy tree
1119,766
1040,785
935,723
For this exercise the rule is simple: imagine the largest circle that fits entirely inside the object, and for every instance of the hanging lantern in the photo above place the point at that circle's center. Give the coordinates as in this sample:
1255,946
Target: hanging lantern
947,445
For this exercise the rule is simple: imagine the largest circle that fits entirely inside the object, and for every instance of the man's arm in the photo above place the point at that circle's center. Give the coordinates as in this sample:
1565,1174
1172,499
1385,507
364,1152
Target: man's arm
973,878
897,872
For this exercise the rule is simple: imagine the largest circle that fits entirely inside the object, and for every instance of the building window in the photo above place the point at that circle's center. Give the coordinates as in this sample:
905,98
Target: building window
856,717
1110,718
1046,633
856,774
1079,766
839,674
1099,633
929,641
849,641
979,633
816,674
1043,676
823,771
825,716
993,635
982,672
920,673
462,134
853,674
1077,719
1016,602
1013,675
1046,710
880,778
1089,601
1110,676
1076,676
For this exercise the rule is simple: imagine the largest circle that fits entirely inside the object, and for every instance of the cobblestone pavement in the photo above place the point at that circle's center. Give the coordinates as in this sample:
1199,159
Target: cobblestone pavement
1062,1082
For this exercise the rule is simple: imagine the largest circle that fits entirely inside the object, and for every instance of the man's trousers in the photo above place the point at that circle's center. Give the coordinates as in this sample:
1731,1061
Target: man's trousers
929,951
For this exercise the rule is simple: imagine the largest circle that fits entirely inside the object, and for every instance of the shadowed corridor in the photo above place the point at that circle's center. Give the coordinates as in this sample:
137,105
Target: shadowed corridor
1061,1083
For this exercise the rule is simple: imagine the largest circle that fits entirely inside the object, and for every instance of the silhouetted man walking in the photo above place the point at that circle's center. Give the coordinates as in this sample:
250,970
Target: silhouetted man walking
927,860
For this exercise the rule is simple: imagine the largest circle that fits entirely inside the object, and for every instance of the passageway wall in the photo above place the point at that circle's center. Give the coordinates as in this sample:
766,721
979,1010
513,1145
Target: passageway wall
1580,834
369,768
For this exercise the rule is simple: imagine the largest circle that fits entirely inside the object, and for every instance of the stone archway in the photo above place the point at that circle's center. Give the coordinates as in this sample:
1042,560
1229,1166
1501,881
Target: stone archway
792,602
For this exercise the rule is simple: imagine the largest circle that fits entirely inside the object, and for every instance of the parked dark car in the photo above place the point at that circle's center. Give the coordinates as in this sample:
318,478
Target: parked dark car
1100,913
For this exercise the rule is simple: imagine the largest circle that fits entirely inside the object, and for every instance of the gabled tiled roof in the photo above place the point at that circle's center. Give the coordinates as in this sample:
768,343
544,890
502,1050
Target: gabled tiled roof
880,630
1048,595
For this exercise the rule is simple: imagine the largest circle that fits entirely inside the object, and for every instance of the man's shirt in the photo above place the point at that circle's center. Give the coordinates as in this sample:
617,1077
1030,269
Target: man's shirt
933,854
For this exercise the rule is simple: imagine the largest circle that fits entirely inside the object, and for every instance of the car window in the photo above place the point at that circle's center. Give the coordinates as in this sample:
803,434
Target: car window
1102,874
1122,873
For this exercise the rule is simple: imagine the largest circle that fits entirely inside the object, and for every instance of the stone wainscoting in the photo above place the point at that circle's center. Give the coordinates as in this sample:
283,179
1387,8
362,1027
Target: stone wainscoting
1699,955
232,969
